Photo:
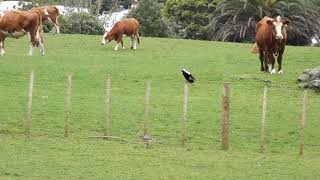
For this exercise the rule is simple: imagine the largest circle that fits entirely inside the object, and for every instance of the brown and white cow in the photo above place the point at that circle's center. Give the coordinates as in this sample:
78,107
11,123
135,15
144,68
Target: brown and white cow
271,38
125,27
16,24
50,13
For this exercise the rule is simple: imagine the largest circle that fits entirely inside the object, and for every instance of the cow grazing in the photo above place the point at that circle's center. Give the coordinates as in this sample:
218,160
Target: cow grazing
125,27
271,38
50,13
18,23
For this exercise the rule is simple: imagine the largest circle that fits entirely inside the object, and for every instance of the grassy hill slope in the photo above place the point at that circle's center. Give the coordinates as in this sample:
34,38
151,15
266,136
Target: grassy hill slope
47,154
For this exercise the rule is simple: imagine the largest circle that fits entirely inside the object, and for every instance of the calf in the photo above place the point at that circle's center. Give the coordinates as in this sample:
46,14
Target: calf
125,27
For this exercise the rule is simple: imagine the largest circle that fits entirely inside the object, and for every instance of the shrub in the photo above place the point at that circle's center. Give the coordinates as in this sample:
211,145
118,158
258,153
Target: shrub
47,27
189,18
82,23
149,14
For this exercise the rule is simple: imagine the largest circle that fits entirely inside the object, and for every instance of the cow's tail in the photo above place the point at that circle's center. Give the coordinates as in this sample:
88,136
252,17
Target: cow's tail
255,49
56,23
137,34
138,38
39,29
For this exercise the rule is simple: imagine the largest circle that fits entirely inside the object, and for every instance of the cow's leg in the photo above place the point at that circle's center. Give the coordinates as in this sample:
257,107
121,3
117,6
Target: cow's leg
31,49
119,40
122,44
272,61
2,37
41,41
2,52
279,59
41,45
116,48
33,42
134,42
57,27
261,57
267,67
132,38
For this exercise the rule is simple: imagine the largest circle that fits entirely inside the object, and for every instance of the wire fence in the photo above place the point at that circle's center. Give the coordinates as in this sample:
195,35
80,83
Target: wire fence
224,128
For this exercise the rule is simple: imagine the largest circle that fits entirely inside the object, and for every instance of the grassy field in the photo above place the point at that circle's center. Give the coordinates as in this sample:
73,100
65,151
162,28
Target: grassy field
48,155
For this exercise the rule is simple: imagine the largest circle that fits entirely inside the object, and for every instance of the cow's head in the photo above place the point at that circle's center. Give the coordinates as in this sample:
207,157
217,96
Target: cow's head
278,25
107,37
52,14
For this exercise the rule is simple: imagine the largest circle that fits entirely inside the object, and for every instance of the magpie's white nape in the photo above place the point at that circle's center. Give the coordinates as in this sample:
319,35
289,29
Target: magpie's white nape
188,76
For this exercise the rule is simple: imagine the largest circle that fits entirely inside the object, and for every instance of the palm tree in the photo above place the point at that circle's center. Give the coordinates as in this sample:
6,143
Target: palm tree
235,20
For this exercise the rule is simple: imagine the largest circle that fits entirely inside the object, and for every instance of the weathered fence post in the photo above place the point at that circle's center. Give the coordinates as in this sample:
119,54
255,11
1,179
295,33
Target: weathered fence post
146,109
184,113
263,121
106,111
225,116
68,107
303,121
29,110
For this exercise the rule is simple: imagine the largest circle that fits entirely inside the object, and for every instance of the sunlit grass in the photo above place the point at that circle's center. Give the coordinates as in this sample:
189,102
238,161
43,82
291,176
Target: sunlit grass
47,154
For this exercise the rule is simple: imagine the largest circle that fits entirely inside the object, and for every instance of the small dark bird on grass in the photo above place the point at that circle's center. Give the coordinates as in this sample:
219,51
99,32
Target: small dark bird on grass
188,76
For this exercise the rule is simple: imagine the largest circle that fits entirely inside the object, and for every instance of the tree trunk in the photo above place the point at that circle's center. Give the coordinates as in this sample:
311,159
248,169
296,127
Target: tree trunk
98,6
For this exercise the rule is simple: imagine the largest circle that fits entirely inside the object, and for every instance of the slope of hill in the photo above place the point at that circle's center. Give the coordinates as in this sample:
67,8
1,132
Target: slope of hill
47,154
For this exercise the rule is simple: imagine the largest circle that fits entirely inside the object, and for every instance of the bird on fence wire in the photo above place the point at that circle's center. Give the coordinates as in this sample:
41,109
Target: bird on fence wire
188,76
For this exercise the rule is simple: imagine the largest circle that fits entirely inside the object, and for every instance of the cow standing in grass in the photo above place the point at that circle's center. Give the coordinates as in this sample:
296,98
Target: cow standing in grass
16,24
125,27
271,38
50,13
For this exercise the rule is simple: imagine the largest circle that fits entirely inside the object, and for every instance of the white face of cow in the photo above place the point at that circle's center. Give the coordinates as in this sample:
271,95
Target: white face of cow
278,27
104,42
46,13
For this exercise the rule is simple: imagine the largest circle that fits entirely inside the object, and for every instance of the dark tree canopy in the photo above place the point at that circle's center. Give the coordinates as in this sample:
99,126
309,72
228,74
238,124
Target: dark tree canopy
149,14
235,20
190,18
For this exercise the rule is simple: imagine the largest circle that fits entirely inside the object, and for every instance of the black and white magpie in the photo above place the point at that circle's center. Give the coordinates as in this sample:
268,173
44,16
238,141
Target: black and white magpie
188,76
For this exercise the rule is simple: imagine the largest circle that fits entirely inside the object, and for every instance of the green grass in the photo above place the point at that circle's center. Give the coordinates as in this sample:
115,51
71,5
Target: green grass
48,155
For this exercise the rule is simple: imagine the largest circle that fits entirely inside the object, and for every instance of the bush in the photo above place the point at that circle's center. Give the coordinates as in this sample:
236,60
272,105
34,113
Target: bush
190,19
47,27
80,23
149,14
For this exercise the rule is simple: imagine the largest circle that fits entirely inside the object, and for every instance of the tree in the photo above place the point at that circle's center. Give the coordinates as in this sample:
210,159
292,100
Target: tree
235,20
149,14
80,23
190,17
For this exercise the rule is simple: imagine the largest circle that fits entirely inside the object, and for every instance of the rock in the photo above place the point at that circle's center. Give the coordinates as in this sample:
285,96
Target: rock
315,73
315,84
306,71
303,78
310,79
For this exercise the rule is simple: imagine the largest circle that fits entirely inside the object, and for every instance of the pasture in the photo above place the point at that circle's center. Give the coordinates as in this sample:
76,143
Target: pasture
48,155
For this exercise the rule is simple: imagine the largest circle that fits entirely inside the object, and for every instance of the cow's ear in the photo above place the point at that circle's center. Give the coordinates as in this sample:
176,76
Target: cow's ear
286,22
270,22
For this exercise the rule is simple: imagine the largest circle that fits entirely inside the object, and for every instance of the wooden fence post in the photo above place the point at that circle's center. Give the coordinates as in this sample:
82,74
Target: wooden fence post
146,109
68,107
263,121
106,115
225,116
28,122
184,113
303,121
